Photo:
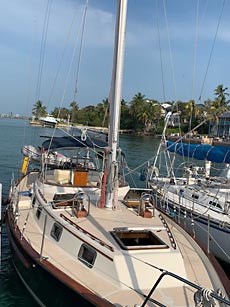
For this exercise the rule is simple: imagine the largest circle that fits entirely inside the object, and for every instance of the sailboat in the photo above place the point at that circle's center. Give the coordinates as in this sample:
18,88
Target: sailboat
191,193
70,251
76,160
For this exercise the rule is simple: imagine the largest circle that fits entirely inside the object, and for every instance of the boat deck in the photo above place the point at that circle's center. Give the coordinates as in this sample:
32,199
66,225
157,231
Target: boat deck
99,224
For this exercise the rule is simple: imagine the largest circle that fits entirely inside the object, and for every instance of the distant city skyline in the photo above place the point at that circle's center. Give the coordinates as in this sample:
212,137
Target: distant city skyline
175,50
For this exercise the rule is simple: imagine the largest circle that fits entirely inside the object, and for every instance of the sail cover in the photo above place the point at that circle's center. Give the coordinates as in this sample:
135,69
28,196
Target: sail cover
72,142
219,154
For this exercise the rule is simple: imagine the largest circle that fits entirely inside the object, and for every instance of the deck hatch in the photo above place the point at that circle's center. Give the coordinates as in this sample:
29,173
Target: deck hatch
138,239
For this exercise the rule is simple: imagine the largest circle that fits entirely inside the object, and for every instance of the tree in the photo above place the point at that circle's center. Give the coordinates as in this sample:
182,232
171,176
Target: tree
89,116
55,112
63,113
103,112
145,112
136,108
149,114
126,121
39,110
218,106
221,94
190,107
136,103
73,111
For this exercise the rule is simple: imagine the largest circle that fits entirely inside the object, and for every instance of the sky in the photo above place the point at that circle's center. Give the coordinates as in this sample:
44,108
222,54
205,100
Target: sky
175,50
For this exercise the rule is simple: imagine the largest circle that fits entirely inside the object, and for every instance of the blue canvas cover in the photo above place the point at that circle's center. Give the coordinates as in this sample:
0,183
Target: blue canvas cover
219,154
72,142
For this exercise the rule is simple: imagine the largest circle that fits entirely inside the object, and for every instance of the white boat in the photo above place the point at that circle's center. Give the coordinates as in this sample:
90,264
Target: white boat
67,250
36,155
190,193
48,121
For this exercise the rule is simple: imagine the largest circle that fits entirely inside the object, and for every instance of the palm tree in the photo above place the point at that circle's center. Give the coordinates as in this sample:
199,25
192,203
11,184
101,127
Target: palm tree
39,110
136,109
73,110
149,115
126,121
136,104
145,111
218,106
103,110
220,93
190,106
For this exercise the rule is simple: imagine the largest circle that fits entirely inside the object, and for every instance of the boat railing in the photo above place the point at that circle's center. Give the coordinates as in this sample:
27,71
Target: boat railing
201,296
180,215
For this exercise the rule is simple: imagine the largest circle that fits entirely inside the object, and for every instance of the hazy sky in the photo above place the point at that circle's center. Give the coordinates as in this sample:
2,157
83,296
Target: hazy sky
175,50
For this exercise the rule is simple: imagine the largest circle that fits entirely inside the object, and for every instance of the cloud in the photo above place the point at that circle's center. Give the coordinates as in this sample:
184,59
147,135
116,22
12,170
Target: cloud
21,20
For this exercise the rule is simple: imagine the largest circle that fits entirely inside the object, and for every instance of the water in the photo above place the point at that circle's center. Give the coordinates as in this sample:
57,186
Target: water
15,133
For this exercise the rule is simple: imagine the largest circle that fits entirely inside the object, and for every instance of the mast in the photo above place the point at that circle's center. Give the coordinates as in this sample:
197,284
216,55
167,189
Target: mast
115,100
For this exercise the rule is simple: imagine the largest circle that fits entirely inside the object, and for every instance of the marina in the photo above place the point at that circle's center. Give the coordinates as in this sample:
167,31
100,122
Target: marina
127,143
101,218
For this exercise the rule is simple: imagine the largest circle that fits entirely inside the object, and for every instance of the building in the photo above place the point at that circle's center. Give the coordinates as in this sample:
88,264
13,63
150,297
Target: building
222,128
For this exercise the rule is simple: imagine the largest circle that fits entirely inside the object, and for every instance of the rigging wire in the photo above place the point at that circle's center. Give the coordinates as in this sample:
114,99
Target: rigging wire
43,45
212,49
69,71
160,49
195,55
170,51
62,57
80,51
195,48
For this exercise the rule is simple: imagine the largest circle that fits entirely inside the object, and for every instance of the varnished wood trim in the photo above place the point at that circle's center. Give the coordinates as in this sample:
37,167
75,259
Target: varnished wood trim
87,233
84,241
81,229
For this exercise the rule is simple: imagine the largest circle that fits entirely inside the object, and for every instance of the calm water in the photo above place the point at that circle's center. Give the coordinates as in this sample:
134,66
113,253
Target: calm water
14,134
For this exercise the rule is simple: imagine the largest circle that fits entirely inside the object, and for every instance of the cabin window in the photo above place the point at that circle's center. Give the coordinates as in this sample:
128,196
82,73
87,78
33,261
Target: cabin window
214,204
195,196
137,239
38,212
87,255
33,200
56,232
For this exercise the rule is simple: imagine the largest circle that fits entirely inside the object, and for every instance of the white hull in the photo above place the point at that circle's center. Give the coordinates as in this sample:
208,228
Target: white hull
204,219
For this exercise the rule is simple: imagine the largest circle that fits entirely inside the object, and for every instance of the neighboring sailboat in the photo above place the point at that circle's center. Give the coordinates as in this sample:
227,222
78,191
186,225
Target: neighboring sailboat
69,251
191,195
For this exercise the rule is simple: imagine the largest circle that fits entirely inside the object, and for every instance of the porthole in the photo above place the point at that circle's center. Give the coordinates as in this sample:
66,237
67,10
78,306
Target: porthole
56,232
38,212
195,196
87,255
33,200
